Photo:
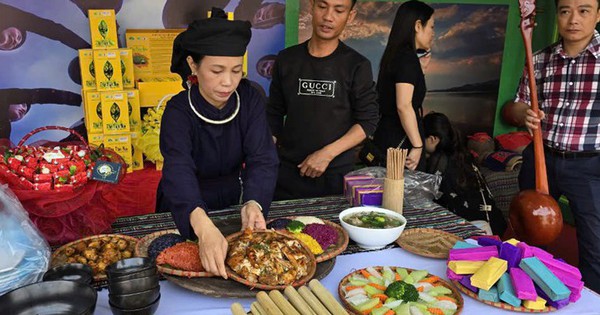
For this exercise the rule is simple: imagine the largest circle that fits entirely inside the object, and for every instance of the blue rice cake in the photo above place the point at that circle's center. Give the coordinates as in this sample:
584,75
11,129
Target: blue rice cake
506,292
462,244
489,295
544,278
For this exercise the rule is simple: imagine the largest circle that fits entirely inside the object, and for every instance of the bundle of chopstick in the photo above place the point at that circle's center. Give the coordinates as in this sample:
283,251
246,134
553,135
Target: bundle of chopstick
304,301
396,158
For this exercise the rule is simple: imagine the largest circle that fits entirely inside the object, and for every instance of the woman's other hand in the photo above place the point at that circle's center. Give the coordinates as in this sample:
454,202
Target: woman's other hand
211,243
252,216
413,158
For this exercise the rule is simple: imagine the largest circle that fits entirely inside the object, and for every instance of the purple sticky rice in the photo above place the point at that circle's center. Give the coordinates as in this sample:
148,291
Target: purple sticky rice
324,234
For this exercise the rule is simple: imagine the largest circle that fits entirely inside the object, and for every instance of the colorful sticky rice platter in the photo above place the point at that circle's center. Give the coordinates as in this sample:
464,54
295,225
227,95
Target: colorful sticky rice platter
513,275
324,238
398,291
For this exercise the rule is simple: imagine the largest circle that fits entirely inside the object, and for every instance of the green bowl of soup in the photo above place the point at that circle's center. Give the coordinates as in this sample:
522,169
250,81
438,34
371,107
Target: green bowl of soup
371,227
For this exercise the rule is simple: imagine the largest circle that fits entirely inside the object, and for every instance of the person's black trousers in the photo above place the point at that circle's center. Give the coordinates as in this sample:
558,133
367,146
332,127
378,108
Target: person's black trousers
578,178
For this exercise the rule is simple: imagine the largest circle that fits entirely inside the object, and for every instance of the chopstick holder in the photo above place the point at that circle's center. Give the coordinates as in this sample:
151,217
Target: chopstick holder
393,185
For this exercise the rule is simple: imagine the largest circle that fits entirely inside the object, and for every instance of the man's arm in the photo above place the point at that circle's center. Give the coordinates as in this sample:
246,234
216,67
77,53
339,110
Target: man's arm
316,163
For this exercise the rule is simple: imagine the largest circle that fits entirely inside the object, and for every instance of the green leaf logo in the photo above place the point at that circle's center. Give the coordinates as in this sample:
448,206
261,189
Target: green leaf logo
115,112
108,70
122,68
92,69
103,28
129,108
99,110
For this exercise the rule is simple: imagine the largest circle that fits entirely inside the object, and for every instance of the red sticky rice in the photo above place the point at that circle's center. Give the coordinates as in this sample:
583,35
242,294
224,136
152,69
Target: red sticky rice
182,256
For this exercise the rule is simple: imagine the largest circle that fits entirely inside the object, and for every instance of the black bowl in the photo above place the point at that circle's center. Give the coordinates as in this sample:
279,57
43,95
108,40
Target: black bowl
50,297
134,300
71,272
134,275
129,265
147,310
132,285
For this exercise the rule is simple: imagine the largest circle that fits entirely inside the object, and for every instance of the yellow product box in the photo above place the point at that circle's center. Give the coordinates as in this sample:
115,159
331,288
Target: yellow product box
88,73
133,106
107,65
95,140
103,29
159,165
92,105
121,144
127,68
154,88
115,112
136,153
152,49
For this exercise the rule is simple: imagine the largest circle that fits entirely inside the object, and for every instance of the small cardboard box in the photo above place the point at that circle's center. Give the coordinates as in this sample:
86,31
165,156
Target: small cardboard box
121,144
369,196
115,113
95,140
88,72
154,88
107,65
93,112
133,105
127,68
136,153
103,29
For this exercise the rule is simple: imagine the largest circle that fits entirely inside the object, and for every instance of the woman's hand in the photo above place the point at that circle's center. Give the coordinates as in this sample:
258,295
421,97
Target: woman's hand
532,120
413,158
252,216
211,243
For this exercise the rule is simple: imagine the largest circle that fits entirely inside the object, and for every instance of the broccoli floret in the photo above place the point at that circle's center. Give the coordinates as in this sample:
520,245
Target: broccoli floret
295,226
401,290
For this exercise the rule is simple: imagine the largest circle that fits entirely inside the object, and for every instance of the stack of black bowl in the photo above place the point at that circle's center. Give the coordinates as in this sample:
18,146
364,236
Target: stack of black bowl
133,287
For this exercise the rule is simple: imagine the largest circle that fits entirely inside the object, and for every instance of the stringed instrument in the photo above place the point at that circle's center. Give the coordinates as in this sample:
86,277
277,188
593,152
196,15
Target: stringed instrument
534,215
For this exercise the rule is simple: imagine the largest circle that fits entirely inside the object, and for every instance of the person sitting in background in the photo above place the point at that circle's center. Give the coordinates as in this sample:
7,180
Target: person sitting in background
464,189
208,132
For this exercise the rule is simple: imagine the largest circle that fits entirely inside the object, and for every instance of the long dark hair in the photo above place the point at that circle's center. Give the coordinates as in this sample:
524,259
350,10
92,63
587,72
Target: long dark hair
402,34
451,147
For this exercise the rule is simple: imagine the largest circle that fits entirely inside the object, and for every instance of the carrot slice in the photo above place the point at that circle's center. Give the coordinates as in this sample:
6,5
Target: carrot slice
381,297
431,279
365,273
377,286
445,298
435,311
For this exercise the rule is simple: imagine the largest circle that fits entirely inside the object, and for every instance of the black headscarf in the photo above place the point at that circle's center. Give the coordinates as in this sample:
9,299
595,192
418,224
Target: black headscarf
215,36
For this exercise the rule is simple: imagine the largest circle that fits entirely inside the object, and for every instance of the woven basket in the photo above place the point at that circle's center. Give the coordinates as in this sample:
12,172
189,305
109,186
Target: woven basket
79,207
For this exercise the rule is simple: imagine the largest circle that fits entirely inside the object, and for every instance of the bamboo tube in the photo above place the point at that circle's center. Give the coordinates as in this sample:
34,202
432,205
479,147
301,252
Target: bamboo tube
312,300
282,303
237,309
257,309
328,300
297,301
268,305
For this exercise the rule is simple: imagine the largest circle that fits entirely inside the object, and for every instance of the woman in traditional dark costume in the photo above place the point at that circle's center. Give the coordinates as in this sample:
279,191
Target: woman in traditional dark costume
216,143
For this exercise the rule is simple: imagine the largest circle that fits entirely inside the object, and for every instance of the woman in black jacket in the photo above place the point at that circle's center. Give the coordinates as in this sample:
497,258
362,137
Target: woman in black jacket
464,189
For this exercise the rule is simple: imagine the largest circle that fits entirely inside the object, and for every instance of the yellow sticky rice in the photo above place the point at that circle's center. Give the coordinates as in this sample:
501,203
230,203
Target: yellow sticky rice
312,244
